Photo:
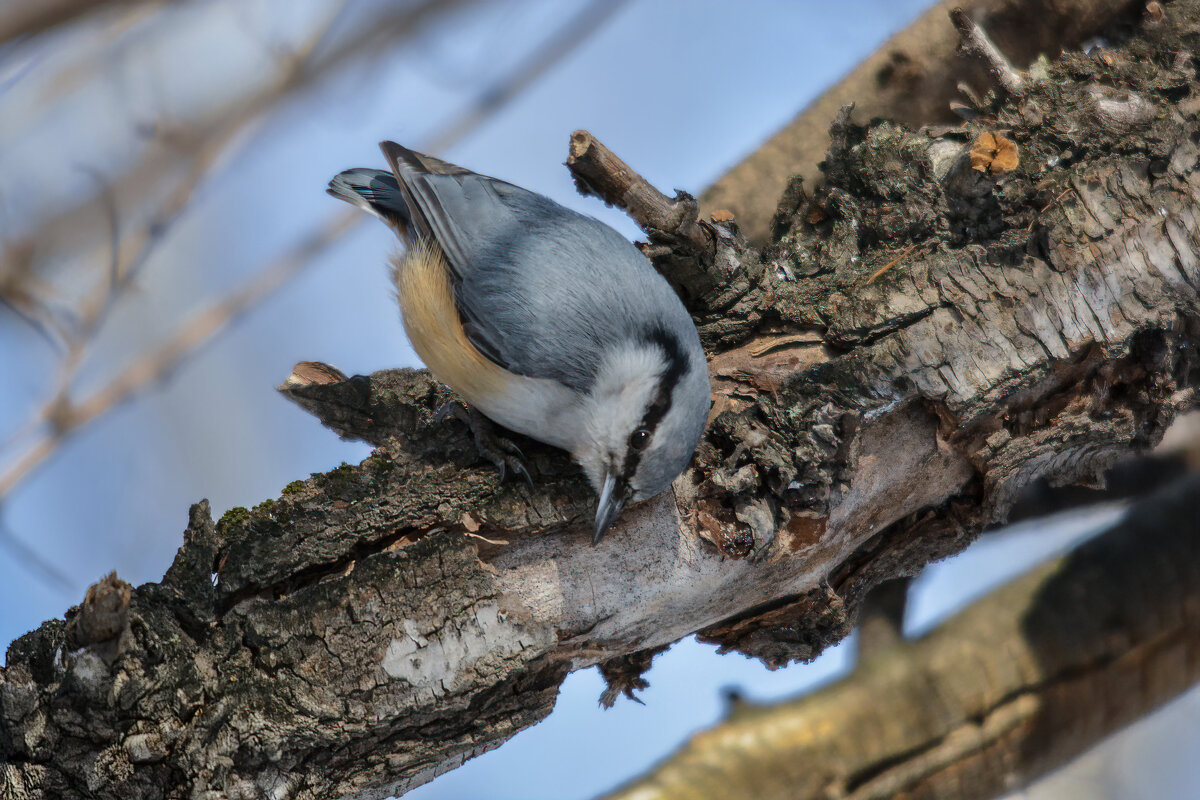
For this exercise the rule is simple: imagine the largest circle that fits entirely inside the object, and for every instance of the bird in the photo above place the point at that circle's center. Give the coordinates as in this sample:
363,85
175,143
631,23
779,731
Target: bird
546,321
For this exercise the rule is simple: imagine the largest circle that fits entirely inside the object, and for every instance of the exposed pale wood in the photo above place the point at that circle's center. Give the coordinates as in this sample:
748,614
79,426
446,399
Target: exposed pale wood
1016,684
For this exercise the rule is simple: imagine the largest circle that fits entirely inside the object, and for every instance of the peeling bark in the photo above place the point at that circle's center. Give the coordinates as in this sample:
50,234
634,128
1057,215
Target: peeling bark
378,624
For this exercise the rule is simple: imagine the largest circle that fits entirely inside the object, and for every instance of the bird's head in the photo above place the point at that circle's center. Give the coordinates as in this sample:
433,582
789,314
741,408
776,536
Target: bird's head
646,413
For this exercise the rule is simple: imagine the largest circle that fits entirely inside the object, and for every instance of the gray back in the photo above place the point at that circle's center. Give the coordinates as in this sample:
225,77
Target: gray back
543,290
552,289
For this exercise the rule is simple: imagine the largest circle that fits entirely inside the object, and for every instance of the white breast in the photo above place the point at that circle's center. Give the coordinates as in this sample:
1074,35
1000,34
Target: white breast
539,408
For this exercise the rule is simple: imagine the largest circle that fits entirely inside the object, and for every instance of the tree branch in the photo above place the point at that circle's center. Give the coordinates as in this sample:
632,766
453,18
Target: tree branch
973,40
708,262
1018,683
600,173
367,630
911,79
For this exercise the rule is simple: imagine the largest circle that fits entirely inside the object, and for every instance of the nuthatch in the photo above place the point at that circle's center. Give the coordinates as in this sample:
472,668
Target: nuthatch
547,321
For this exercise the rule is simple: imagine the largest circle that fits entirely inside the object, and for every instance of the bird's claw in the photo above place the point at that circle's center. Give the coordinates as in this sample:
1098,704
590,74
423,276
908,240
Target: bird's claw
500,451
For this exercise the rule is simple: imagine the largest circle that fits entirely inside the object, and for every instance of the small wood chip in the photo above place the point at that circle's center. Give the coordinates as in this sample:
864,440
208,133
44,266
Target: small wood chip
994,152
722,215
485,539
760,350
907,252
309,373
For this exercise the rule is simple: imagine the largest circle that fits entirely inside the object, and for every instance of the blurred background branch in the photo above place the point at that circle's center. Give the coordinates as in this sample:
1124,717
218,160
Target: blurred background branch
31,19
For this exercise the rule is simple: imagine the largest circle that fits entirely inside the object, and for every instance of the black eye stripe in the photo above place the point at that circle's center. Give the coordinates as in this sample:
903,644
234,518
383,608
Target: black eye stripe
677,367
677,363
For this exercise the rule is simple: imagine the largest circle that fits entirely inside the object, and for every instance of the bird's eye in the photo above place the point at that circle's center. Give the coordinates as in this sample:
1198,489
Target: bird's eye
639,439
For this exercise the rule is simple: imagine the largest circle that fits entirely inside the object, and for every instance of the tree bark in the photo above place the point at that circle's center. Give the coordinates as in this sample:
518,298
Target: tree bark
912,79
1018,683
960,314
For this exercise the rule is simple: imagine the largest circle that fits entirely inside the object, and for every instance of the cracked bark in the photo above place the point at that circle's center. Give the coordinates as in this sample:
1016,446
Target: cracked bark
378,624
1015,685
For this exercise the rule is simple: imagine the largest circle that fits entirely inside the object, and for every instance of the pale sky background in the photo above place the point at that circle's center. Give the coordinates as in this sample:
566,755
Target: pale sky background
681,90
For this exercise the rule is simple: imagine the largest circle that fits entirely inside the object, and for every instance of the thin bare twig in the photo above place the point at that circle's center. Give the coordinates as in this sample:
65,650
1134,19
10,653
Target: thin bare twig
598,171
114,230
974,41
21,291
31,557
32,311
30,19
1047,207
903,255
187,340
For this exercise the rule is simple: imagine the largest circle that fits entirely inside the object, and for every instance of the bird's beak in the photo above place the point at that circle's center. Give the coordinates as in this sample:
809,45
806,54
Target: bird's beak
613,497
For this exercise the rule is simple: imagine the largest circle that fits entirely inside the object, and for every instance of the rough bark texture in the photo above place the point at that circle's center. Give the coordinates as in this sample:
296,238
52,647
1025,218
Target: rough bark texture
378,624
912,79
1016,684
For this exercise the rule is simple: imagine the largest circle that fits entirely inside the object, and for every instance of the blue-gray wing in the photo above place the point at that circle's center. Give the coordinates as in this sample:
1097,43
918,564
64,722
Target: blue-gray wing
541,289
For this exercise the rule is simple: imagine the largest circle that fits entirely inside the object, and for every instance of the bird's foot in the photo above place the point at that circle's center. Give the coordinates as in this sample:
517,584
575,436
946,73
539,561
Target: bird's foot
499,450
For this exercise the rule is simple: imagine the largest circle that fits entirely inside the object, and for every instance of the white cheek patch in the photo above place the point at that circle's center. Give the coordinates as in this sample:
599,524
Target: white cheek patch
624,387
629,371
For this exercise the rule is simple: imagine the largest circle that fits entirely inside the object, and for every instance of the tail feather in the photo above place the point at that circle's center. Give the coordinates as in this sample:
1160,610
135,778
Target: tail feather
375,191
401,158
428,184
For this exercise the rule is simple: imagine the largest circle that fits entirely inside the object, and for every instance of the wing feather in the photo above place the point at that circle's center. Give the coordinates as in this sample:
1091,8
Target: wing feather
533,282
441,197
